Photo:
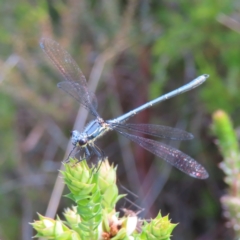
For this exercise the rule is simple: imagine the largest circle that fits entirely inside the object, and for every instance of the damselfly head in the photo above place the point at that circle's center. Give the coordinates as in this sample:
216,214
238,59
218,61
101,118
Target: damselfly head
79,139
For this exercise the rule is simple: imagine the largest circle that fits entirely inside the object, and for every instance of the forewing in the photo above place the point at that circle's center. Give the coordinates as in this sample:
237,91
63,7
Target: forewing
171,155
70,71
71,89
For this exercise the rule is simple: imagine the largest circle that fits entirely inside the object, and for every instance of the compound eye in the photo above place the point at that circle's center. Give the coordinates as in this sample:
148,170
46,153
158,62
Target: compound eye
81,142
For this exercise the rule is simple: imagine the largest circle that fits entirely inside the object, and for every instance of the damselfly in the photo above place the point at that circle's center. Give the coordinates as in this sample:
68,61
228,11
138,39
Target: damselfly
75,84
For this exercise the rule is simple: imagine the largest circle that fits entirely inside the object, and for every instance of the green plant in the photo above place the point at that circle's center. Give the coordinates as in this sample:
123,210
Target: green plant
95,194
228,145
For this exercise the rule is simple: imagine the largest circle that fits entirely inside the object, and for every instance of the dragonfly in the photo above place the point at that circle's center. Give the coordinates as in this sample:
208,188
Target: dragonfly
75,85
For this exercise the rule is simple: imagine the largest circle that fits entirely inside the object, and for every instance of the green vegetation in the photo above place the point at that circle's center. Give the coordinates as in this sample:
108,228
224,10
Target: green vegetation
94,216
228,145
131,51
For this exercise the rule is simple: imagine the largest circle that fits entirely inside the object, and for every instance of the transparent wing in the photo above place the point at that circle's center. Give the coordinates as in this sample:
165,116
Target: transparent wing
171,155
72,74
72,89
155,130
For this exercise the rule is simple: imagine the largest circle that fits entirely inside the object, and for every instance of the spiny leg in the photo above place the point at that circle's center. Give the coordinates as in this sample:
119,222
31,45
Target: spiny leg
87,153
85,157
99,153
69,155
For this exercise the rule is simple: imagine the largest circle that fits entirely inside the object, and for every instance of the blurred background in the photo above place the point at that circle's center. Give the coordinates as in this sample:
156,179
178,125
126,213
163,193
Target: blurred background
131,52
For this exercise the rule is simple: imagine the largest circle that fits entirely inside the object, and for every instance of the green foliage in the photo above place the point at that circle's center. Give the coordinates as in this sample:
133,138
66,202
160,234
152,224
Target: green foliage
85,193
227,139
229,148
8,118
228,144
8,151
158,228
94,217
211,49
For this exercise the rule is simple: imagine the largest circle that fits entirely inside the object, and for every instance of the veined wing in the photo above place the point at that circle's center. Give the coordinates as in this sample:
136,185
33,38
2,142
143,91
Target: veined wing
171,155
76,84
155,130
84,99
